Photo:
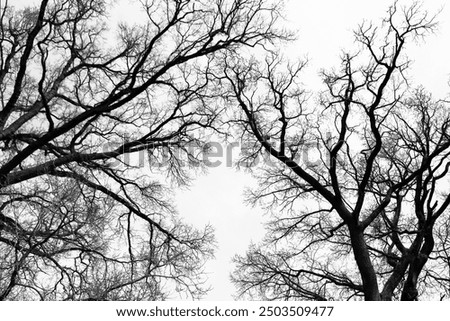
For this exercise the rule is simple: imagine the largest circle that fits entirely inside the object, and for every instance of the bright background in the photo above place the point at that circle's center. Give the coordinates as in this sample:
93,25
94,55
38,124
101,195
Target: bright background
324,30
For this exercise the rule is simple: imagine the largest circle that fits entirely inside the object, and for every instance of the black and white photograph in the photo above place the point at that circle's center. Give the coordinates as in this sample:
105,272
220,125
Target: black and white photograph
228,151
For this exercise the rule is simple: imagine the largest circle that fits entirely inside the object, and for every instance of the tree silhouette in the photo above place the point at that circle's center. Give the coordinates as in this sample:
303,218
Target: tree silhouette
79,221
357,185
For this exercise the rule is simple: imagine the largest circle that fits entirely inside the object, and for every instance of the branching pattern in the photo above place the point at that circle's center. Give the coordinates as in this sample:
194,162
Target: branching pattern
358,182
77,221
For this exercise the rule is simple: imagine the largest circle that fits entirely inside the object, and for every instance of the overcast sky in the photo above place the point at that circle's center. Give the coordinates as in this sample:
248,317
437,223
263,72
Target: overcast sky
324,30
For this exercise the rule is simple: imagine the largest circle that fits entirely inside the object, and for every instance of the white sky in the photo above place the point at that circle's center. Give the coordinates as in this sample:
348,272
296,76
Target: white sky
324,30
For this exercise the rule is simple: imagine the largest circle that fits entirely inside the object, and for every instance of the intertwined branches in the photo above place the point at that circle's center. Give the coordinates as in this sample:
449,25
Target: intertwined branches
372,189
78,96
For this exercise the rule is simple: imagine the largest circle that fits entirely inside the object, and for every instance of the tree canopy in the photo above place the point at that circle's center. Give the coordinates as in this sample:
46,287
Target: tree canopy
355,177
78,94
358,183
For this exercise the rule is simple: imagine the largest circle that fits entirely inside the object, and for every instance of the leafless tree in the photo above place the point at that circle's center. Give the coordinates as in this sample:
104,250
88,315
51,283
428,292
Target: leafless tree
78,221
357,182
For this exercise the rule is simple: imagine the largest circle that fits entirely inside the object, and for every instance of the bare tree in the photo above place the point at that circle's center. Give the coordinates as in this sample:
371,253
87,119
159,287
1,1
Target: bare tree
78,221
358,180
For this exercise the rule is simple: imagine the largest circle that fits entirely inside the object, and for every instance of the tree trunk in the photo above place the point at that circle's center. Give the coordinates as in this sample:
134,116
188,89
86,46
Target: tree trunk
366,270
394,280
410,292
